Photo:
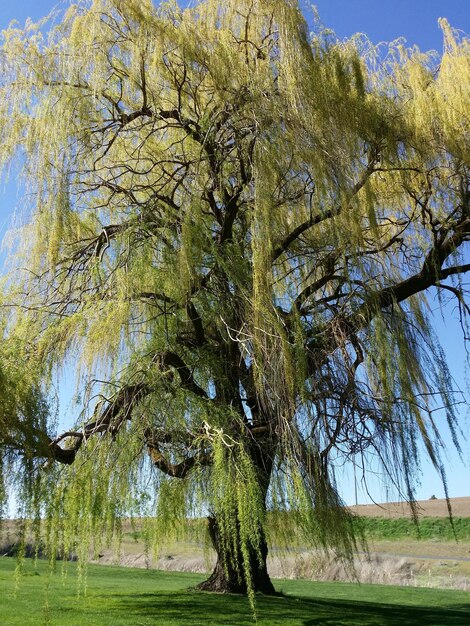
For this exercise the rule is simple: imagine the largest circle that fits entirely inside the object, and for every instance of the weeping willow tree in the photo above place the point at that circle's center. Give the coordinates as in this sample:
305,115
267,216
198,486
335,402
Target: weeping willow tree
230,231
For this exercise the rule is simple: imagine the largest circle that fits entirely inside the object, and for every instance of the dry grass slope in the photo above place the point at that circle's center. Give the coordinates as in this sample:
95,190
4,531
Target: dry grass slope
426,508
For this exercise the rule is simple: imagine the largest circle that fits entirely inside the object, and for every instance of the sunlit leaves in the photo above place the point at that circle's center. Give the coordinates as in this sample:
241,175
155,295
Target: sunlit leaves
232,223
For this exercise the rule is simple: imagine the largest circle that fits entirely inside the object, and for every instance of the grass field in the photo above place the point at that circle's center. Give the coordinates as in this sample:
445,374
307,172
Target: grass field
429,528
135,597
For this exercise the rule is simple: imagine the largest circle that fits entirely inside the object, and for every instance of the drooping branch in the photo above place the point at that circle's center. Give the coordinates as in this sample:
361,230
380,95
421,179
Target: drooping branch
454,270
66,456
299,230
118,410
312,288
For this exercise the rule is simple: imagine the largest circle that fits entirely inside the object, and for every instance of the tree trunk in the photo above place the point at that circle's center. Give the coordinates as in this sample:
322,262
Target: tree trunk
228,575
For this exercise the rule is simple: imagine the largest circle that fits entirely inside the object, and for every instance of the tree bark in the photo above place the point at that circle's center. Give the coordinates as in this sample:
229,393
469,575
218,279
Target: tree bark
228,575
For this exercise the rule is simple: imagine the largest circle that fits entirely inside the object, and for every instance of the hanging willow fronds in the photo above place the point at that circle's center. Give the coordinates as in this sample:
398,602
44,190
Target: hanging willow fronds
233,225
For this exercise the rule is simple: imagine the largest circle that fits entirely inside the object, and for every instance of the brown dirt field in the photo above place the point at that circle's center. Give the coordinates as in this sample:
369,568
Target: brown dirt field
426,508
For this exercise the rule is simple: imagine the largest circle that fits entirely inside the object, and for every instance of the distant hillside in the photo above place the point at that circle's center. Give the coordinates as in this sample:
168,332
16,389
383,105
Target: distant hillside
426,508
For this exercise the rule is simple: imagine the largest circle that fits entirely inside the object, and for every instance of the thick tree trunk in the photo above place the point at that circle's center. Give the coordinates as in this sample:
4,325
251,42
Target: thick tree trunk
228,575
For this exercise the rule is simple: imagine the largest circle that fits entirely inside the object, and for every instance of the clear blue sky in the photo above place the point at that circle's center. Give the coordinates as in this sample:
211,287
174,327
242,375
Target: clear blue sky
381,20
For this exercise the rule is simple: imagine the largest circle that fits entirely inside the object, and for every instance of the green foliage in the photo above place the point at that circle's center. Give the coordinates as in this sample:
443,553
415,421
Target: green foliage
24,419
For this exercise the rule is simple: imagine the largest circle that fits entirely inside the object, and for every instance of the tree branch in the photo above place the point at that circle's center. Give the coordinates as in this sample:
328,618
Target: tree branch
110,419
430,275
171,359
176,470
325,339
312,221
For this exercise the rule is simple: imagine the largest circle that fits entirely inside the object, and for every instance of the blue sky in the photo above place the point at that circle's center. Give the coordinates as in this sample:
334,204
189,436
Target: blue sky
382,20
385,20
416,20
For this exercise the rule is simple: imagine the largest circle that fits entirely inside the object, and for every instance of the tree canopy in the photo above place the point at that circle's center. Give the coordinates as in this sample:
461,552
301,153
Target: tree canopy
231,229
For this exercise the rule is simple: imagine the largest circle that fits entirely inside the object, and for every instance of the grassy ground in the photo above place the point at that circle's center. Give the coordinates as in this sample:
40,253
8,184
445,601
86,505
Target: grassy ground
429,528
135,597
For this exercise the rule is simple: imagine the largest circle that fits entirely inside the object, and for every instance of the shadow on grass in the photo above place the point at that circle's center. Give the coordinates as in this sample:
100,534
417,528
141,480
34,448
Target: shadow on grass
204,608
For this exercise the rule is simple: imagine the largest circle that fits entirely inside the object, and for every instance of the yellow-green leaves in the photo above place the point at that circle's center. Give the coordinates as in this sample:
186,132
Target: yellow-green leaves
230,225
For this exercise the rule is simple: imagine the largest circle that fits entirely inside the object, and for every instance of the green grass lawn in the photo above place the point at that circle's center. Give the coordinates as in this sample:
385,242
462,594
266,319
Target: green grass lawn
133,597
